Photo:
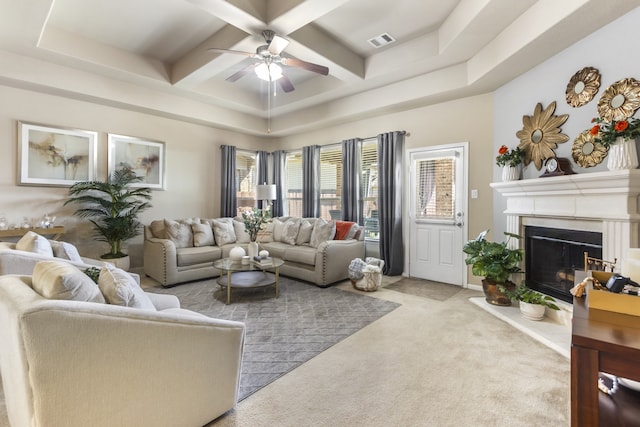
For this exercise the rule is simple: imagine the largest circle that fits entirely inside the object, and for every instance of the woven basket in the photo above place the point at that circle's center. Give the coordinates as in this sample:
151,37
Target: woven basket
369,283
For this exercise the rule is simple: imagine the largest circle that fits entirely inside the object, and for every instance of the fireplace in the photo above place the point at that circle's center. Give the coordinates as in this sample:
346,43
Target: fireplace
552,255
605,203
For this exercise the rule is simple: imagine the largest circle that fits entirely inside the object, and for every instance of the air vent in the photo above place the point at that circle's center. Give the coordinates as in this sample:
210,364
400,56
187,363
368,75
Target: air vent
381,40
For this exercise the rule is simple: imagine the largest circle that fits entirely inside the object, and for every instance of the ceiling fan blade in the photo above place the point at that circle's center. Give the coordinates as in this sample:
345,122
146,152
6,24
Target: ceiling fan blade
277,45
286,84
236,52
293,62
237,75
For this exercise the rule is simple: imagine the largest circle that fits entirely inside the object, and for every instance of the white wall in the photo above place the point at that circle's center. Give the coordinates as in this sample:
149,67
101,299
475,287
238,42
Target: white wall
192,154
610,49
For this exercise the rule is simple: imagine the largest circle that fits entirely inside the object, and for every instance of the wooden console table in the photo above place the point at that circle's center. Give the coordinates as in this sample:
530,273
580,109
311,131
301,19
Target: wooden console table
601,341
56,232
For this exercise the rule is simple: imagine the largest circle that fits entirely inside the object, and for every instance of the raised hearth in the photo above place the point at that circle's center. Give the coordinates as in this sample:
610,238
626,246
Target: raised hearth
605,202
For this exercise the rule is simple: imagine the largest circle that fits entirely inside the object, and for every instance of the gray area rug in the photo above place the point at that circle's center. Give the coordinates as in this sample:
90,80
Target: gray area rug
424,288
282,333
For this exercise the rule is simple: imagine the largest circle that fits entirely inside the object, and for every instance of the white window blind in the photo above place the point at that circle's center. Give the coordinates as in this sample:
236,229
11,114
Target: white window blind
330,181
435,189
246,176
369,187
293,204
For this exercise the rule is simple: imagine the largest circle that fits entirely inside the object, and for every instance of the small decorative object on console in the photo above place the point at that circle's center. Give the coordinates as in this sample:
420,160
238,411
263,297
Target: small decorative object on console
556,166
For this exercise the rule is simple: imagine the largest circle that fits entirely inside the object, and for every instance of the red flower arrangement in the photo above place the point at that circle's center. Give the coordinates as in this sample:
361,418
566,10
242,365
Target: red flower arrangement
508,157
606,132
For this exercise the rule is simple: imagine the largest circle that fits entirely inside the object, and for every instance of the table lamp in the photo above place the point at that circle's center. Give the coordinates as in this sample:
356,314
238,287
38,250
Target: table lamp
266,193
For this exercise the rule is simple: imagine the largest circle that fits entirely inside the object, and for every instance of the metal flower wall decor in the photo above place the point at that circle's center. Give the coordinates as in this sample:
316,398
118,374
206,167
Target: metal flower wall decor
586,152
541,134
583,86
620,100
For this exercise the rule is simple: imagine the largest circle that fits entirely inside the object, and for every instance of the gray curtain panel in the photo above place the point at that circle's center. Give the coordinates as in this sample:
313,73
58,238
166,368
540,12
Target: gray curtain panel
228,201
311,181
390,151
279,179
351,201
263,171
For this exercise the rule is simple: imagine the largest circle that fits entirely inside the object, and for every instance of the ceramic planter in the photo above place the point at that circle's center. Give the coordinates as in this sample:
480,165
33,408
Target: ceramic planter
532,311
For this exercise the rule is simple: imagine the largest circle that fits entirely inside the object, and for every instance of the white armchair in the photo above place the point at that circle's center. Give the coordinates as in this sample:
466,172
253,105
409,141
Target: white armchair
77,363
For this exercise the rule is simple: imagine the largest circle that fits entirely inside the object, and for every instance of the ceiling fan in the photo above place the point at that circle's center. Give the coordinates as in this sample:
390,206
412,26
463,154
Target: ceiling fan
269,56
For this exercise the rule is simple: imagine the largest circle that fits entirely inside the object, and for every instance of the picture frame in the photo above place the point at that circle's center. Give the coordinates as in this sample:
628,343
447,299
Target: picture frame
144,156
55,156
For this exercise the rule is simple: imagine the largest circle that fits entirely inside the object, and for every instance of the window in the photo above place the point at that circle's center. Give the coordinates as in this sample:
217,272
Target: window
369,188
246,176
436,192
331,181
293,203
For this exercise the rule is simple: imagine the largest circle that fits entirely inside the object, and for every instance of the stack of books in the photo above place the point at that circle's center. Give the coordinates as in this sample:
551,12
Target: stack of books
262,262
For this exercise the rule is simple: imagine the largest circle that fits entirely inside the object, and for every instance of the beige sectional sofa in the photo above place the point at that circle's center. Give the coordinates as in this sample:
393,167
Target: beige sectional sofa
184,250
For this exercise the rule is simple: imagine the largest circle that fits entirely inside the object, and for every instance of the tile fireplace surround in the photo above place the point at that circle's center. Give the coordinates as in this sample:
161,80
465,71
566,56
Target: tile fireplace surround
606,202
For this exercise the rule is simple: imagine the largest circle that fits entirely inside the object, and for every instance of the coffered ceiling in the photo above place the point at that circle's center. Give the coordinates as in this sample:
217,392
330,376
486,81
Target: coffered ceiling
152,55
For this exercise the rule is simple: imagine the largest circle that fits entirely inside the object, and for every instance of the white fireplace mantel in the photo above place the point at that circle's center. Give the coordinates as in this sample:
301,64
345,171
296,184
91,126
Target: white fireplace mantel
608,202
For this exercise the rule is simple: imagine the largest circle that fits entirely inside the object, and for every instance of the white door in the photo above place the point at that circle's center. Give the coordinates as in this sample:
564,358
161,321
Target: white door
437,207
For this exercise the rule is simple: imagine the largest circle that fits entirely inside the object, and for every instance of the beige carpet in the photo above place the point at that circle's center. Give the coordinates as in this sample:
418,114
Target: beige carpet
427,363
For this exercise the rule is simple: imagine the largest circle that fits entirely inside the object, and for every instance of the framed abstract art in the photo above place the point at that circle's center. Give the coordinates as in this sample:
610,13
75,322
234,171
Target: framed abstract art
145,157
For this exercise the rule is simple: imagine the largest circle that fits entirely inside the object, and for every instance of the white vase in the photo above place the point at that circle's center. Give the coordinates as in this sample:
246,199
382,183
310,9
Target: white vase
622,154
532,311
253,249
510,173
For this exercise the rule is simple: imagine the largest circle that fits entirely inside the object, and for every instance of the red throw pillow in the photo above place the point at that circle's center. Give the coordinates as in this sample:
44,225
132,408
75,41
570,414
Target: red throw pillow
342,229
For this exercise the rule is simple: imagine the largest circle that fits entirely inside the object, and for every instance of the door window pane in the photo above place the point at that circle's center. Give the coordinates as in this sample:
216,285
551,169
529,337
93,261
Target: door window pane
435,189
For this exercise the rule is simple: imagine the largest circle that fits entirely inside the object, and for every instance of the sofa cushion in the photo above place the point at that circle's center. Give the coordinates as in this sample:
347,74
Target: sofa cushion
64,281
119,288
265,235
278,225
223,231
241,232
276,249
290,231
343,228
157,229
33,242
197,255
179,232
65,250
322,231
202,235
304,233
301,254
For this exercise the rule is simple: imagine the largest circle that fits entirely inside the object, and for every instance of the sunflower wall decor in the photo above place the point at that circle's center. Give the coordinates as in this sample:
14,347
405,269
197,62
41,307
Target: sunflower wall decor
583,86
541,134
620,100
586,152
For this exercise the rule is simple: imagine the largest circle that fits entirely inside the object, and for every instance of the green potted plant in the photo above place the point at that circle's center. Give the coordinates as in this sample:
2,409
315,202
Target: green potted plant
112,207
532,303
495,262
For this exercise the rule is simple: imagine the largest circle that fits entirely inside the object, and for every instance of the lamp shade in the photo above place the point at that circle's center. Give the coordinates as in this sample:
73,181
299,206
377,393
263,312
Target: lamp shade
266,192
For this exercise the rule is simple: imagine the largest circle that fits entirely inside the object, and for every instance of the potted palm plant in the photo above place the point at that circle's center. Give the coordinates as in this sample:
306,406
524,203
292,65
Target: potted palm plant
495,262
532,303
112,207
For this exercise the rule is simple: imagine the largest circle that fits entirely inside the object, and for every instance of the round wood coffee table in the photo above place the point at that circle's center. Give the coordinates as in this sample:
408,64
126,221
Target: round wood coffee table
234,274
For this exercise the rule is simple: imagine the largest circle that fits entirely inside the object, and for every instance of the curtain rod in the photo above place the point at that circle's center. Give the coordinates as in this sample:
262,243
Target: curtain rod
369,138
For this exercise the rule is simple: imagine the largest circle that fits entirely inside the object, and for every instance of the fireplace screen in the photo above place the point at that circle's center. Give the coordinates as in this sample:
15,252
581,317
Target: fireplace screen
552,255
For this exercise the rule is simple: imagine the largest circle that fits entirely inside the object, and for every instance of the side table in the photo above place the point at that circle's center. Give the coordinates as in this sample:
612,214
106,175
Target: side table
55,232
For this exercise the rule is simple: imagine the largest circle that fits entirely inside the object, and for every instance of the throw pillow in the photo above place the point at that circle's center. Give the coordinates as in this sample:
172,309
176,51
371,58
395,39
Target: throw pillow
202,235
277,229
223,231
241,233
61,280
265,235
304,233
33,242
157,229
65,250
290,231
322,231
342,229
119,288
179,233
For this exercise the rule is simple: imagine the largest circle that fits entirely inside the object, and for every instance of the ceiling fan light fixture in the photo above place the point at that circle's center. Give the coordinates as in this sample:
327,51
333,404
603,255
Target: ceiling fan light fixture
268,72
